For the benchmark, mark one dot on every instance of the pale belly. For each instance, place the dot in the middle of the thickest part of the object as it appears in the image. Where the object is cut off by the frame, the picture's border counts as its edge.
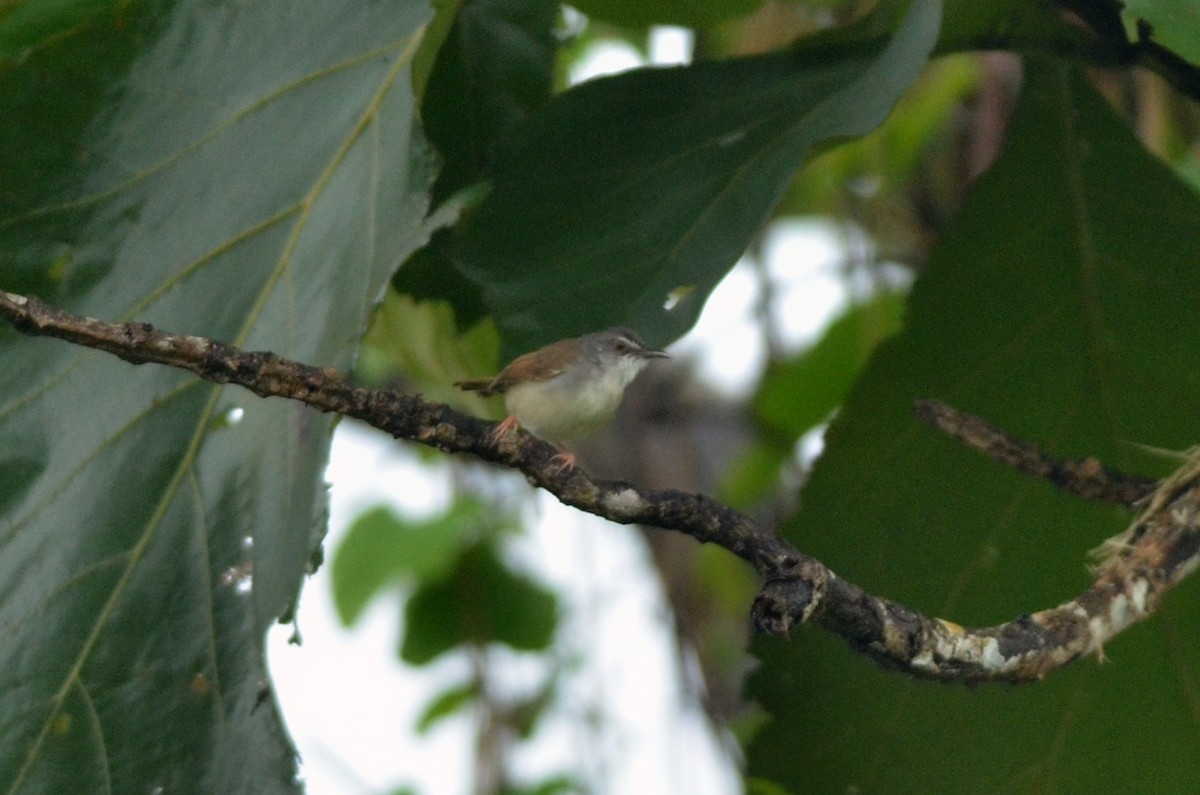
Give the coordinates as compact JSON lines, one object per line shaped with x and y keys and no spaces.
{"x":560,"y":411}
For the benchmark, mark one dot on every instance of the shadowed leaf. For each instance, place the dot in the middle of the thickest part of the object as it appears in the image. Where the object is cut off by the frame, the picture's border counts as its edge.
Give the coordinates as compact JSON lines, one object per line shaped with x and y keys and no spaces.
{"x":1060,"y":305}
{"x":627,"y":188}
{"x":248,"y":172}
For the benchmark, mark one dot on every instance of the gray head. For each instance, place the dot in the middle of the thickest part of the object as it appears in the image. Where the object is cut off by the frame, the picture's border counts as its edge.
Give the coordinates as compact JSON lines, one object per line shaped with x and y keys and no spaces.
{"x":620,"y":343}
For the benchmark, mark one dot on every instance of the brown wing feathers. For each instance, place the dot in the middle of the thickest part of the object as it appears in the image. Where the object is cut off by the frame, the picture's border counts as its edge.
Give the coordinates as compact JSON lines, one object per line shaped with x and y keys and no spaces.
{"x":539,"y":365}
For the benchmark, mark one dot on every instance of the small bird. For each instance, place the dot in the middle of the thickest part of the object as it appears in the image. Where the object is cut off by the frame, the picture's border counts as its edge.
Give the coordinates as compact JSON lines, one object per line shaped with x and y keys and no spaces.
{"x":567,"y":389}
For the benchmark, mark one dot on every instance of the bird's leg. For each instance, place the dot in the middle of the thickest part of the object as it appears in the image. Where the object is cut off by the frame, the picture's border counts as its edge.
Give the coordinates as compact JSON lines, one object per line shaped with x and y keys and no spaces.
{"x":509,"y":425}
{"x":565,"y":461}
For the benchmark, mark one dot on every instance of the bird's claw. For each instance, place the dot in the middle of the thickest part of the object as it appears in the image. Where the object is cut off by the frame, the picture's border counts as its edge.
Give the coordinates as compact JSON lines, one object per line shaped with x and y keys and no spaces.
{"x":503,"y":429}
{"x":564,"y":462}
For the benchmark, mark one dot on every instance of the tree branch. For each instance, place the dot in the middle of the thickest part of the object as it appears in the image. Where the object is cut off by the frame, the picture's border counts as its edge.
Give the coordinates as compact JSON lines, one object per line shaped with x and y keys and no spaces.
{"x":1113,"y":47}
{"x":1083,"y":477}
{"x":1101,"y":41}
{"x":1140,"y":566}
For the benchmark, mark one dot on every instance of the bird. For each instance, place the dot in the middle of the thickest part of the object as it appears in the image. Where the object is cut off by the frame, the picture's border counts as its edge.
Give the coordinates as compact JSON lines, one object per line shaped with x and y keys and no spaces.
{"x":567,"y":389}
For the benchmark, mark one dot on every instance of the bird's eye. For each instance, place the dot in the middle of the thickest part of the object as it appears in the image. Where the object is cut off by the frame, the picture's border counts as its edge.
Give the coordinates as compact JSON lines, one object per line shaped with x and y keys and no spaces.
{"x":622,"y":346}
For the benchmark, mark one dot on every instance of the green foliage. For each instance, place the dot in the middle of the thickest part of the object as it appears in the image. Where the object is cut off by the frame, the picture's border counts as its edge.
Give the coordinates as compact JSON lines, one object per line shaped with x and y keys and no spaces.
{"x":445,"y":704}
{"x":689,"y":13}
{"x":215,"y":171}
{"x":480,"y":601}
{"x":1021,"y":25}
{"x":27,"y":26}
{"x":421,"y":340}
{"x":627,"y":188}
{"x":463,"y":592}
{"x":911,"y":153}
{"x":494,"y":67}
{"x":760,"y":786}
{"x":551,"y":786}
{"x":1059,"y":305}
{"x":462,"y":596}
{"x":381,"y":547}
{"x":1175,"y":24}
{"x":796,"y":395}
{"x":253,"y":172}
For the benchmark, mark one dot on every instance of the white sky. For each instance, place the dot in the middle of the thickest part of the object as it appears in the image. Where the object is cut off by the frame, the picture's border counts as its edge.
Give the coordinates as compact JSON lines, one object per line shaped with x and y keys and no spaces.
{"x":350,"y":704}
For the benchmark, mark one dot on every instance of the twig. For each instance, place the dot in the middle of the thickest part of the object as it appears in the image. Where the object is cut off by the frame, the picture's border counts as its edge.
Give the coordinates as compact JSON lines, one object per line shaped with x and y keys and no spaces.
{"x":1083,"y":477}
{"x":1164,"y":547}
{"x":1112,"y":47}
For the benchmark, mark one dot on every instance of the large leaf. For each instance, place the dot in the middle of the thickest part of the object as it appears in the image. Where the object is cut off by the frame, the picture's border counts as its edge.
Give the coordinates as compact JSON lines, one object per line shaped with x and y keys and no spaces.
{"x":630,"y":189}
{"x":495,"y":67}
{"x":382,"y":547}
{"x":1019,"y":25}
{"x":248,"y":172}
{"x":1061,"y":304}
{"x":481,"y":601}
{"x":1173,"y":23}
{"x":25,"y":26}
{"x":798,"y":394}
{"x":643,"y":13}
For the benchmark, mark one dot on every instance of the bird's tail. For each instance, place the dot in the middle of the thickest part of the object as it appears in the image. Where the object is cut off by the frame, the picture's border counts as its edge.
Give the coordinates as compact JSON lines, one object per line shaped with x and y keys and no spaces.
{"x":480,"y":385}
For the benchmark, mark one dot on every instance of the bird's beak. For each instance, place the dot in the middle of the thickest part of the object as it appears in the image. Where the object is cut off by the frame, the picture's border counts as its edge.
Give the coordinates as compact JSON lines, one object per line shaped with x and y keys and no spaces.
{"x":655,"y":355}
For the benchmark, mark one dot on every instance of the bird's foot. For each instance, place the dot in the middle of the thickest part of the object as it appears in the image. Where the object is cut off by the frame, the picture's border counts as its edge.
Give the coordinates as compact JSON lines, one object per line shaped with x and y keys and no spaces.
{"x":564,"y":462}
{"x":504,"y":429}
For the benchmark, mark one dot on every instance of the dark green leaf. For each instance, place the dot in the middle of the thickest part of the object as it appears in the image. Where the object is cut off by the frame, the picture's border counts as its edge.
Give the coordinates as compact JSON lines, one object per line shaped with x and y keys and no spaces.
{"x":625,"y":189}
{"x":495,"y":66}
{"x":20,"y":467}
{"x":688,"y":13}
{"x":1018,"y":25}
{"x":28,"y":25}
{"x":554,"y":785}
{"x":481,"y":602}
{"x":436,"y":31}
{"x":248,"y":172}
{"x":431,"y":275}
{"x":911,"y":154}
{"x":525,"y":715}
{"x":435,"y":622}
{"x":445,"y":704}
{"x":381,"y":547}
{"x":421,"y":340}
{"x":760,"y":786}
{"x":1061,"y":305}
{"x":1175,"y":24}
{"x":799,"y":394}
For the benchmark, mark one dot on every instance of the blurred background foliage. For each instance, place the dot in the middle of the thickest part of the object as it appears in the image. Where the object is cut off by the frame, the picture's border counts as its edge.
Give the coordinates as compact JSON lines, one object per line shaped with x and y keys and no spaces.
{"x":1017,"y":236}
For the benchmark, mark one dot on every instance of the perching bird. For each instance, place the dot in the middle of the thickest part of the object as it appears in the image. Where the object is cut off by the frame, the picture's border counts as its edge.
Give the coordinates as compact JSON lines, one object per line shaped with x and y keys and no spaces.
{"x":567,"y":389}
